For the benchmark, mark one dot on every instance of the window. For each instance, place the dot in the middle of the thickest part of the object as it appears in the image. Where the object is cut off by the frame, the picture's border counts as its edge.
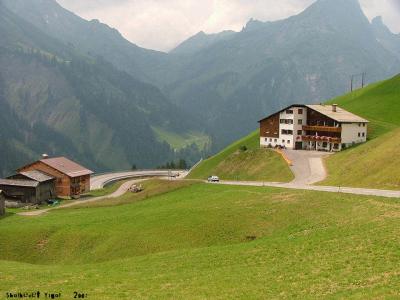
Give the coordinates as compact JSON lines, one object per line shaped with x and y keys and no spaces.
{"x":283,"y":141}
{"x":289,"y":112}
{"x":300,"y":111}
{"x":364,"y":125}
{"x":359,"y":134}
{"x":270,"y":140}
{"x":287,"y":132}
{"x":276,"y":140}
{"x":300,"y":122}
{"x":288,"y":141}
{"x":285,"y":121}
{"x":266,"y":139}
{"x":363,"y":134}
{"x":359,"y":124}
{"x":299,"y":132}
{"x":324,"y":144}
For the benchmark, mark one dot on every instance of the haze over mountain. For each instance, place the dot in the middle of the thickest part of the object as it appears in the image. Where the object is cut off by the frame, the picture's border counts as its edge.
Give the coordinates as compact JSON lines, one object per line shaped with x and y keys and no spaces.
{"x":55,"y":100}
{"x":306,"y":58}
{"x":100,"y":105}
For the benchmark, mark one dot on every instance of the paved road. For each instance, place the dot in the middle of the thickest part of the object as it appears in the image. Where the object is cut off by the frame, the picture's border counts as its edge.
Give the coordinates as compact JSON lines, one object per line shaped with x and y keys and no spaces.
{"x":330,"y":189}
{"x":99,"y":181}
{"x":308,"y":166}
{"x":121,"y":190}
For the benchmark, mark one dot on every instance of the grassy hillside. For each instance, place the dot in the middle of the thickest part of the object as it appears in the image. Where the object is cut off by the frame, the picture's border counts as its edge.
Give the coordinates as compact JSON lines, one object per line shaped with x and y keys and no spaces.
{"x":209,"y":241}
{"x":375,"y":164}
{"x":254,"y":164}
{"x":379,"y":103}
{"x":180,"y":141}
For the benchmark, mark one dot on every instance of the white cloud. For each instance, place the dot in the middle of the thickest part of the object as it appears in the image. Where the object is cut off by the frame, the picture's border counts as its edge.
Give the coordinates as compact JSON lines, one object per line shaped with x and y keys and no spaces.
{"x":162,"y":24}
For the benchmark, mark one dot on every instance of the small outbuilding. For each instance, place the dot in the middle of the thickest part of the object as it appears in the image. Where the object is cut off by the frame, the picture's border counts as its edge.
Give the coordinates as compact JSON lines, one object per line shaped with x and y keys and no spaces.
{"x":29,"y":187}
{"x":2,"y":203}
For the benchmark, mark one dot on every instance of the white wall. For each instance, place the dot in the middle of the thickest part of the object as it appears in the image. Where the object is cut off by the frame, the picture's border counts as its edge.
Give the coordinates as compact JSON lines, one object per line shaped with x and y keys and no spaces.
{"x":350,"y":133}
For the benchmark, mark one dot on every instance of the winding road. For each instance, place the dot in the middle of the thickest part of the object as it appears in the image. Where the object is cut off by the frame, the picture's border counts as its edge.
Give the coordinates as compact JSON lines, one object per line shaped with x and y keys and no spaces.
{"x":99,"y":181}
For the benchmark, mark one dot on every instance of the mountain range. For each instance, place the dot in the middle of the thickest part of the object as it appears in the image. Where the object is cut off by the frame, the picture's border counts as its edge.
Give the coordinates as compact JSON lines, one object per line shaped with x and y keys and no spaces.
{"x":111,"y":104}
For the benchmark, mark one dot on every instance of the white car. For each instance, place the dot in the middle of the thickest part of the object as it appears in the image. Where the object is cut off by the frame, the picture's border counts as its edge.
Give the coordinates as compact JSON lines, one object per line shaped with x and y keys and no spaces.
{"x":213,"y":179}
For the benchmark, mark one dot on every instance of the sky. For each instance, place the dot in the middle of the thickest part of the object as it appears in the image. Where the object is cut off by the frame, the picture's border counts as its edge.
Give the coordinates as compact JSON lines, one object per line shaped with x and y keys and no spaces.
{"x":163,"y":24}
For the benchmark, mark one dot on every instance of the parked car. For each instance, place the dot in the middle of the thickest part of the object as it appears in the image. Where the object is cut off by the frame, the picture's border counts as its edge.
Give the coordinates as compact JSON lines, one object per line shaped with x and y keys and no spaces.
{"x":213,"y":179}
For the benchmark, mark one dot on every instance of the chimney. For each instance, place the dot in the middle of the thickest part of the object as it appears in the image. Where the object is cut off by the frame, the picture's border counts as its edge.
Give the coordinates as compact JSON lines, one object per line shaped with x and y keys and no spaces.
{"x":45,"y":156}
{"x":334,"y":107}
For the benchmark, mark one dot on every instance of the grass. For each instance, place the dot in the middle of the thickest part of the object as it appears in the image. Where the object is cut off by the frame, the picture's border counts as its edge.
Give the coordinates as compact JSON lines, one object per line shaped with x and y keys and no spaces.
{"x":151,"y":188}
{"x":210,"y":241}
{"x":107,"y":190}
{"x":180,"y":141}
{"x":255,"y":164}
{"x":375,"y":164}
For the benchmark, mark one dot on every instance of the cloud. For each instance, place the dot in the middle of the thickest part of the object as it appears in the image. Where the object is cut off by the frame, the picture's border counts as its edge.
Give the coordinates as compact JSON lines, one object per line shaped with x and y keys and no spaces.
{"x":162,"y":24}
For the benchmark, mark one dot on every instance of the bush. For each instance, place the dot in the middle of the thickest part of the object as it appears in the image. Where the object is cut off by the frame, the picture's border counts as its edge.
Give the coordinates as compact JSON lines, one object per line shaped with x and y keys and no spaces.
{"x":243,"y":148}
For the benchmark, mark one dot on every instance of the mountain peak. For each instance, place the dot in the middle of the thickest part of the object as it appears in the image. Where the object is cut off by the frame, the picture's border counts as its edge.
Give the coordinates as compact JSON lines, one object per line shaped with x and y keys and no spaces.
{"x":378,"y":24}
{"x":336,"y":7}
{"x":253,"y":24}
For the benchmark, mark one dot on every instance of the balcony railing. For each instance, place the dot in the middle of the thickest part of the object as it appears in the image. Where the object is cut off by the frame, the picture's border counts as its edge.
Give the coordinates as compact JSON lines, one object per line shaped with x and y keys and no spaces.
{"x":313,"y":138}
{"x":322,"y":128}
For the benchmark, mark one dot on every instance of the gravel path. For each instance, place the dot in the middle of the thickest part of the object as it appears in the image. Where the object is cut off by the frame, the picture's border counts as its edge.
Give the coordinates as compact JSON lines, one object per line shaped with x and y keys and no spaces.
{"x":307,"y":166}
{"x":121,"y":190}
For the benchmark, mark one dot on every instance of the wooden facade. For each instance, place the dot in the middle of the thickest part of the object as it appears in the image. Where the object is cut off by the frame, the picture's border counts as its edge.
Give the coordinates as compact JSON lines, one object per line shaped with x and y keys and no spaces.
{"x":2,"y":203}
{"x":27,"y":191}
{"x":71,"y":180}
{"x":269,"y":127}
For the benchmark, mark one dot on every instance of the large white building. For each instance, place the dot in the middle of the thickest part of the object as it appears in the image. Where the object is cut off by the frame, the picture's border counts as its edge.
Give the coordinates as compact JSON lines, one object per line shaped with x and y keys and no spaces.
{"x":313,"y":127}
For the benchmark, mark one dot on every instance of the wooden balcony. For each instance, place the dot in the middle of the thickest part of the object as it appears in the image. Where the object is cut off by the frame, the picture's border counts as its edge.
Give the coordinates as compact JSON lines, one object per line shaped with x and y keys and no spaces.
{"x":313,"y":138}
{"x":322,"y":128}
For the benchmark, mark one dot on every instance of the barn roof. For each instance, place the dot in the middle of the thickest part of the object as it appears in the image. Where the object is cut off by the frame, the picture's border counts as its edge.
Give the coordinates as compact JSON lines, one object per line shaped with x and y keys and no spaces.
{"x":66,"y":166}
{"x":37,"y":176}
{"x":21,"y":183}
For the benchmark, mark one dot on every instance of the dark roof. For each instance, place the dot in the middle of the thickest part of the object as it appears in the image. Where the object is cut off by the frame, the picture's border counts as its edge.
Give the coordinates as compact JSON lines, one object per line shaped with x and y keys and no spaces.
{"x":37,"y":176}
{"x":283,"y":109}
{"x":16,"y":182}
{"x":66,"y":166}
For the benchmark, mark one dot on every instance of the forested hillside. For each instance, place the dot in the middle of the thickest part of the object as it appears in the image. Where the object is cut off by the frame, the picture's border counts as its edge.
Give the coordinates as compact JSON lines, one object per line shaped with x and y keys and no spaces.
{"x":56,"y":101}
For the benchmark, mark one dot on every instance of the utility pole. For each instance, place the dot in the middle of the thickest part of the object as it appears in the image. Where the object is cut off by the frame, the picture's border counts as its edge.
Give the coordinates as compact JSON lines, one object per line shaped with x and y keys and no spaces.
{"x":363,"y":79}
{"x":351,"y":85}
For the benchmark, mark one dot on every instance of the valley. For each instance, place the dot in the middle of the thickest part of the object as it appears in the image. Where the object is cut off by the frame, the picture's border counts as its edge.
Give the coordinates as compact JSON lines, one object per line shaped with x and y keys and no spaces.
{"x":139,"y":174}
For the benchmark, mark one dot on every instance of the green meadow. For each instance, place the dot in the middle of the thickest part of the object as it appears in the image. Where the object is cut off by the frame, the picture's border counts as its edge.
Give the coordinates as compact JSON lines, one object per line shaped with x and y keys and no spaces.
{"x":375,"y":164}
{"x":245,"y":164}
{"x":202,"y":241}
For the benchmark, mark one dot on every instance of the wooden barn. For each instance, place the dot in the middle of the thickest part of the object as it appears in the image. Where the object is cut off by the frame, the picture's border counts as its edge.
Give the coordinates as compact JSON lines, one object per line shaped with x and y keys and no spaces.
{"x":24,"y":191}
{"x":71,"y":179}
{"x":46,"y":188}
{"x":2,"y":203}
